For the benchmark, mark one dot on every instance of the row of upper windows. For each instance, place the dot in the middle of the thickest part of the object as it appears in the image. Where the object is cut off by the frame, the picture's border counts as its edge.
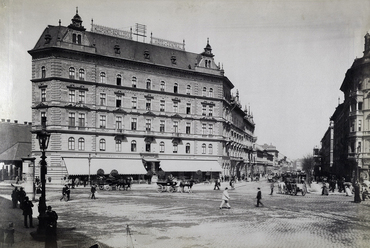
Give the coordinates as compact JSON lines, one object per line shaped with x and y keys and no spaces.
{"x":119,"y":102}
{"x":148,"y":85}
{"x":148,"y":146}
{"x":134,"y":124}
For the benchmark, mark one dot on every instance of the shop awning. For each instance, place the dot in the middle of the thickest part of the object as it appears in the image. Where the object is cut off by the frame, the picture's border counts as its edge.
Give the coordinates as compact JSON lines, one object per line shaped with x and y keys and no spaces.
{"x":189,"y":165}
{"x":80,"y":166}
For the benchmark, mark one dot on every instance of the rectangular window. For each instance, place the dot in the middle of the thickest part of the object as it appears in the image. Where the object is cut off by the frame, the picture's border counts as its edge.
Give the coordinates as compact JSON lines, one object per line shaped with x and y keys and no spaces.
{"x":176,"y":126}
{"x":175,"y":147}
{"x":204,"y":109}
{"x":133,"y":123}
{"x":188,"y":108}
{"x":43,"y":95}
{"x":118,"y":145}
{"x":103,"y":99}
{"x":118,"y":122}
{"x":175,"y":107}
{"x":81,"y":120}
{"x":359,"y":125}
{"x":187,"y":128}
{"x":162,"y":126}
{"x":81,"y":96}
{"x":118,"y":101}
{"x":71,"y":119}
{"x":119,"y":80}
{"x":147,"y":147}
{"x":72,"y":96}
{"x":210,"y":110}
{"x":204,"y":128}
{"x":210,"y":129}
{"x":134,"y":102}
{"x":148,"y":125}
{"x":103,"y":119}
{"x":161,"y":106}
{"x":148,"y":104}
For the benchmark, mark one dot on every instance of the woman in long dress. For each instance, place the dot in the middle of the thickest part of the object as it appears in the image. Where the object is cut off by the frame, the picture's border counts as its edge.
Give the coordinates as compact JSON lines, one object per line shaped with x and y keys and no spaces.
{"x":348,"y":191}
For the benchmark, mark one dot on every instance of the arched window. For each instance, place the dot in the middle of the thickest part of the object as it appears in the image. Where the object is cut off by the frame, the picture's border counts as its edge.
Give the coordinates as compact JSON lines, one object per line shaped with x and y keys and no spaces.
{"x":72,"y":73}
{"x":118,"y":145}
{"x":148,"y":84}
{"x":175,"y":88}
{"x":133,"y":81}
{"x":188,"y":88}
{"x":204,"y":93}
{"x":210,"y":149}
{"x":81,"y":74}
{"x":81,"y":144}
{"x":43,"y":72}
{"x":187,"y":148}
{"x":161,"y":147}
{"x":133,"y":146}
{"x":102,"y":77}
{"x":203,"y":148}
{"x":74,"y":38}
{"x":102,"y":145}
{"x":210,"y":92}
{"x":119,"y":79}
{"x":79,"y":39}
{"x":71,"y":143}
{"x":175,"y":147}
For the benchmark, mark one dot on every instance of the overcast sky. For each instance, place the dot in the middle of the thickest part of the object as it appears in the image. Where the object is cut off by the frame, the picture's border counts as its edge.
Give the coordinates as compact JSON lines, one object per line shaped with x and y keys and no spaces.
{"x":288,"y":59}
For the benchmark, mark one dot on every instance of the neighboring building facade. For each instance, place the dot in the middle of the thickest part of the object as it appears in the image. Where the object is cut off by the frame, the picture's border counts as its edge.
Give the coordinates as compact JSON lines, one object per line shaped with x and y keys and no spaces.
{"x":139,"y":108}
{"x":14,"y":146}
{"x":351,"y":120}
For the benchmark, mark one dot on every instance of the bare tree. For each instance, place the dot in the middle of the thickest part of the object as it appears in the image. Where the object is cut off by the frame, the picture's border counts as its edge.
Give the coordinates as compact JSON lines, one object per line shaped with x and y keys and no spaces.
{"x":308,"y":163}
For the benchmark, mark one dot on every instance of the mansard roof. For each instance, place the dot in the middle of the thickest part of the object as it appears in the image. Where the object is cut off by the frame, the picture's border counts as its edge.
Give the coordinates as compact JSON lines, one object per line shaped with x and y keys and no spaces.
{"x":121,"y":48}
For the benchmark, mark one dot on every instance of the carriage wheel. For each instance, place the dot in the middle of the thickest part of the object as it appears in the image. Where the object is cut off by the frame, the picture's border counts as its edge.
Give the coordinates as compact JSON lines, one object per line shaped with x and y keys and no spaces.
{"x":101,"y":187}
{"x":159,"y":189}
{"x":107,"y":187}
{"x":294,"y":191}
{"x":171,"y":189}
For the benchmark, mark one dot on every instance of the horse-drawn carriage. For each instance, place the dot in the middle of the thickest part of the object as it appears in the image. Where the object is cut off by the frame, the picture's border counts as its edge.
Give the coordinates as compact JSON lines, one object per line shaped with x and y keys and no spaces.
{"x":112,"y":183}
{"x":167,"y":186}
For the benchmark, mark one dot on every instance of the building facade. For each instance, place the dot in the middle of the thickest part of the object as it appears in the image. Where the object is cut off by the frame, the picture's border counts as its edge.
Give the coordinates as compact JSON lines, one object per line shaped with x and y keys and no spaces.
{"x":114,"y":103}
{"x":351,"y":123}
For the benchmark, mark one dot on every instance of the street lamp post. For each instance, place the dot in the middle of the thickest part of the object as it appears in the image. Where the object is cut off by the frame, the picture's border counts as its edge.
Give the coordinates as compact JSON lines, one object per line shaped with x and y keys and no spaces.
{"x":43,"y":138}
{"x":89,"y":168}
{"x":357,"y":163}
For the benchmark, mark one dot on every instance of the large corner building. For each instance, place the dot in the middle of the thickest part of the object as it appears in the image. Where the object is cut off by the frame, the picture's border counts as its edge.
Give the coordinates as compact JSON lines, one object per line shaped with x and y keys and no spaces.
{"x":112,"y":102}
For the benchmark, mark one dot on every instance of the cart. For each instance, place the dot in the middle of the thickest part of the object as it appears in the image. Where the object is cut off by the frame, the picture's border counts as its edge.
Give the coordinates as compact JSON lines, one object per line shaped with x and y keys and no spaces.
{"x":167,"y":187}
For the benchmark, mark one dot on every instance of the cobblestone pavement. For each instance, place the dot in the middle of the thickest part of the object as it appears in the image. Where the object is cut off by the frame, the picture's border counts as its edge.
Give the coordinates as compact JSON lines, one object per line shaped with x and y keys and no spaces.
{"x":195,"y":220}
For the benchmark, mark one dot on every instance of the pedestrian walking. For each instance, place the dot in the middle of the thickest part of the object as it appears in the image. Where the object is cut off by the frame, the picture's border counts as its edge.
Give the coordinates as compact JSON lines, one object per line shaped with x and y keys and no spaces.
{"x":15,"y":197}
{"x":21,"y":197}
{"x":259,"y":197}
{"x":225,"y":199}
{"x":357,"y":193}
{"x":27,"y":211}
{"x":217,"y":184}
{"x":272,"y":185}
{"x":93,"y":190}
{"x":65,"y":192}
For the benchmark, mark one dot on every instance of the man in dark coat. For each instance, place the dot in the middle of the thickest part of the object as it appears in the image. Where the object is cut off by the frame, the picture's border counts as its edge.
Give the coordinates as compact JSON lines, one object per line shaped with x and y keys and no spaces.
{"x":259,"y":197}
{"x":93,"y":190}
{"x":27,"y":211}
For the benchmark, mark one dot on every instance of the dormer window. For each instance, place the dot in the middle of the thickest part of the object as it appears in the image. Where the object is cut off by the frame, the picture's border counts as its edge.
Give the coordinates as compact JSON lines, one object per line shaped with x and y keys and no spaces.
{"x":117,"y":49}
{"x":173,"y":59}
{"x":76,"y":38}
{"x":146,"y":54}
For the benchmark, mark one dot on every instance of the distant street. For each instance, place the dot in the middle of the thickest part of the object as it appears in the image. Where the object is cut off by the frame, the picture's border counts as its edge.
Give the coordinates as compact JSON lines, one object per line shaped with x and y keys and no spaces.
{"x":195,"y":220}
